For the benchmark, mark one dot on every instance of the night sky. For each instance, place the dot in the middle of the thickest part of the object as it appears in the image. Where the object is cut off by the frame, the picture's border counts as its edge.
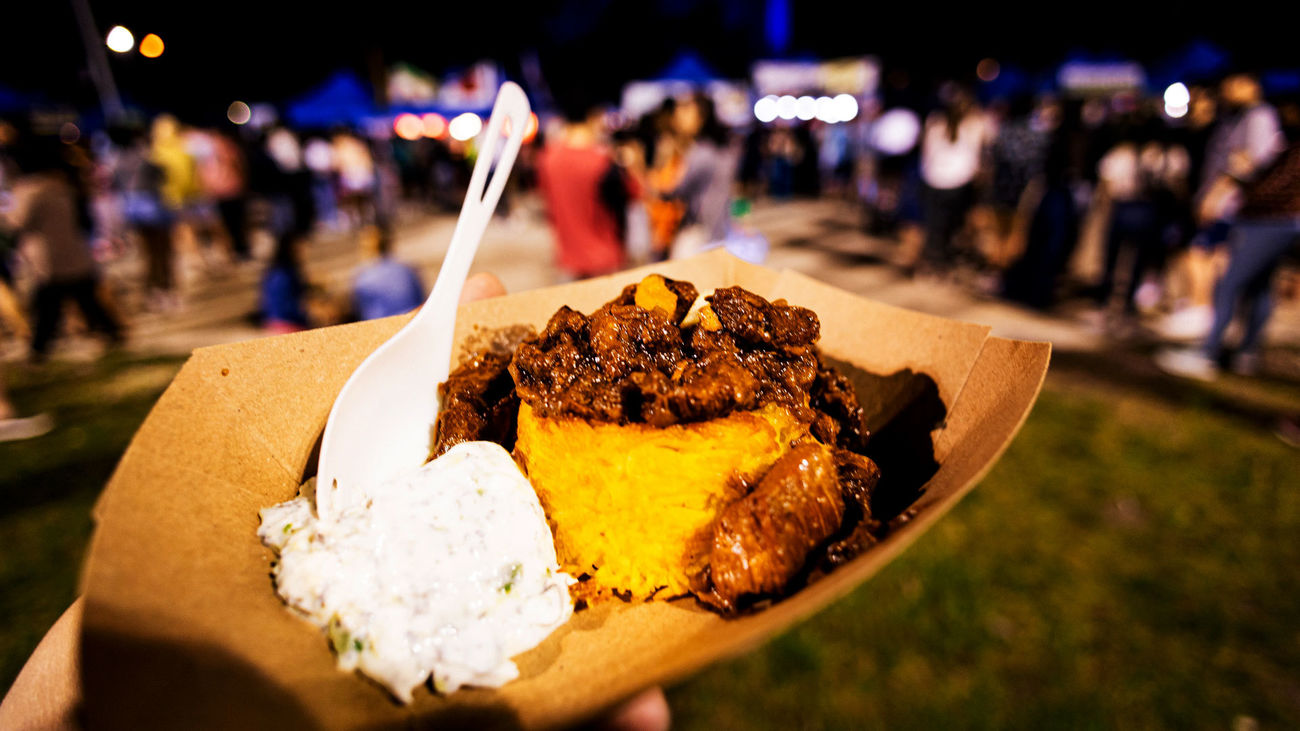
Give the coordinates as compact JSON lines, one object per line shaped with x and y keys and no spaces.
{"x":264,"y":50}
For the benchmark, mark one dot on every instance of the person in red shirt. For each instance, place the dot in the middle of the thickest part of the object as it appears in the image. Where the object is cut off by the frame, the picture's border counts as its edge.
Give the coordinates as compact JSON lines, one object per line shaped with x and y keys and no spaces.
{"x":575,"y":173}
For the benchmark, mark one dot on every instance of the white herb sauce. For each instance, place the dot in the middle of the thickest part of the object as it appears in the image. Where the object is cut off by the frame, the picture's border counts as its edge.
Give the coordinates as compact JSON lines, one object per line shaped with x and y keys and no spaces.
{"x":449,"y":570}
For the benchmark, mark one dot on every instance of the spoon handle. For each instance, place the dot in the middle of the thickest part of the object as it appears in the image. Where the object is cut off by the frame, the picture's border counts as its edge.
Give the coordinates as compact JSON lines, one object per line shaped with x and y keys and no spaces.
{"x":511,"y":107}
{"x":381,"y":422}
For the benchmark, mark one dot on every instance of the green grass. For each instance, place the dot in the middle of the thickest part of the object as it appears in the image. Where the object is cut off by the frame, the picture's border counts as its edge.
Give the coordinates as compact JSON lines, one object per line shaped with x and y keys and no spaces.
{"x":1131,"y":562}
{"x":1128,"y":564}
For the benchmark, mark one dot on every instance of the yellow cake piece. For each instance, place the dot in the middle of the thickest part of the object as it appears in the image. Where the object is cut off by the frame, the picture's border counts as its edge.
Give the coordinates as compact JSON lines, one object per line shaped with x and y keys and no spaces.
{"x":639,"y":502}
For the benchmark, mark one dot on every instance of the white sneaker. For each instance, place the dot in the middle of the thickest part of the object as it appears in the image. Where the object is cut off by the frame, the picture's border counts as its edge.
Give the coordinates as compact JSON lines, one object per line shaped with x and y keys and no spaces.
{"x":1189,"y":323}
{"x":1187,"y":364}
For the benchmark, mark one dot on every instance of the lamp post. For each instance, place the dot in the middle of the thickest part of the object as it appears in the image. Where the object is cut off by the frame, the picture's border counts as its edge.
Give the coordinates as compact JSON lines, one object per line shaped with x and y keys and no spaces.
{"x":97,"y":62}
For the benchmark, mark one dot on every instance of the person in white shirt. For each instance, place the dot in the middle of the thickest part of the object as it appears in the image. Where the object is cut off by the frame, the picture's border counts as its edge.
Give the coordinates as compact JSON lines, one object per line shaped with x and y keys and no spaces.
{"x":952,"y":153}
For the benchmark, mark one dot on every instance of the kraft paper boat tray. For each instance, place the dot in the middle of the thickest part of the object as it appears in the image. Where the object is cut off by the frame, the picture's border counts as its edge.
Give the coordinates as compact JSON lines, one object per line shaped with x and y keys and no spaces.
{"x":183,"y":629}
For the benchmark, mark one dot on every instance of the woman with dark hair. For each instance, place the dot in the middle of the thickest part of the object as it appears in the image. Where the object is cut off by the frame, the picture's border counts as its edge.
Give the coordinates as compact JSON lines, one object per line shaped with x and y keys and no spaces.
{"x":952,"y":152}
{"x":710,"y":164}
{"x":48,"y":215}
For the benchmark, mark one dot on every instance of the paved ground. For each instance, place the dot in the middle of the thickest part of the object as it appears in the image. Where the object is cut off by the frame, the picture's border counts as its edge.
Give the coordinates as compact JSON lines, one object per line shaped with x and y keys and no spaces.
{"x":818,"y":238}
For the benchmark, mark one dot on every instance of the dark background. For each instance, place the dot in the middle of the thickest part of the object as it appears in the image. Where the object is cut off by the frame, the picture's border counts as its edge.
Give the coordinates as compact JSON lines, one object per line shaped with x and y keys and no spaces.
{"x":258,"y":50}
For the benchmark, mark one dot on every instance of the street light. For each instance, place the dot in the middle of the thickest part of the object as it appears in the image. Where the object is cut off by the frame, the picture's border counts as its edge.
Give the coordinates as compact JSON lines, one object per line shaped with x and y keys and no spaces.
{"x":465,"y":126}
{"x":120,"y":39}
{"x":151,"y":46}
{"x":238,"y":113}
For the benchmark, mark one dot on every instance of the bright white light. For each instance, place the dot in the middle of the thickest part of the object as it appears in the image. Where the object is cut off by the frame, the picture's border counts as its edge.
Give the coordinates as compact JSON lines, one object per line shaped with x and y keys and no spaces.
{"x":826,"y":110}
{"x":805,"y":108}
{"x":785,"y":107}
{"x":239,"y":113}
{"x":1175,"y":111}
{"x":765,"y":109}
{"x":846,"y":107}
{"x":120,"y":39}
{"x":465,"y":126}
{"x":1177,"y":95}
{"x":895,"y":132}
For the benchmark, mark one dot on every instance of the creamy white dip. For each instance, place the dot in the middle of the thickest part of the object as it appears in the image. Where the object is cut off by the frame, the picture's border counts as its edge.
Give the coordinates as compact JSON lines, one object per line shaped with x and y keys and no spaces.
{"x":446,"y":571}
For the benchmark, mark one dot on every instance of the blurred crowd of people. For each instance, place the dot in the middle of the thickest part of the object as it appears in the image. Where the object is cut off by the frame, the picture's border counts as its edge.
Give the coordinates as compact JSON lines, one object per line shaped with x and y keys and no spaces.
{"x":188,"y":203}
{"x":654,"y":187}
{"x":1171,"y":222}
{"x":1167,"y":224}
{"x":1170,"y":225}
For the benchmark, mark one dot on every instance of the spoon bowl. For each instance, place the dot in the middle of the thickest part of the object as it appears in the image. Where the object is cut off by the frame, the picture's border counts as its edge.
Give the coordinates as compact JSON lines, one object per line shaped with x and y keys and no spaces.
{"x":382,"y":421}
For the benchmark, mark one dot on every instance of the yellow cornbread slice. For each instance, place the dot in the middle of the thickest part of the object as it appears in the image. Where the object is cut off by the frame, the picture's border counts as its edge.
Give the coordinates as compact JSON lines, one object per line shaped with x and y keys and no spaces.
{"x":639,"y":502}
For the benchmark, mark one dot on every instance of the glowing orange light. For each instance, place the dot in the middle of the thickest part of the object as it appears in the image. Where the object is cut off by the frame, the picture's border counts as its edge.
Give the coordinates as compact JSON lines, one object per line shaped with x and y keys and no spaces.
{"x":408,"y":126}
{"x":435,"y":125}
{"x":151,"y":46}
{"x":988,"y":69}
{"x":530,"y":130}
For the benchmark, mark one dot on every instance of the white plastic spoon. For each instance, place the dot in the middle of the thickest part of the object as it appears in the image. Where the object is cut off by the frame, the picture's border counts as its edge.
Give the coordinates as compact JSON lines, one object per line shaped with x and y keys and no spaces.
{"x":382,"y":421}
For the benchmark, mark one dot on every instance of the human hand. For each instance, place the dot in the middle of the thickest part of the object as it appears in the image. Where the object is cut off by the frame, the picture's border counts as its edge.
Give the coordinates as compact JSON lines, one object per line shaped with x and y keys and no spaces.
{"x":47,"y":692}
{"x":647,"y":711}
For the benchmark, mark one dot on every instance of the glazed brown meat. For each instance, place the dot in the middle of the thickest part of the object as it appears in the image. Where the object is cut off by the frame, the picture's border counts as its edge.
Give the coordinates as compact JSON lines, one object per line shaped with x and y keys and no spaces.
{"x":841,"y":420}
{"x":629,"y":364}
{"x":478,"y":403}
{"x":858,"y":477}
{"x":626,"y":363}
{"x":762,"y":541}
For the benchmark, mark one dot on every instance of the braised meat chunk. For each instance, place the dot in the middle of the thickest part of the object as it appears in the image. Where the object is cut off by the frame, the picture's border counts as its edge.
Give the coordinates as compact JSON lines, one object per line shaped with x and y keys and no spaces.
{"x":762,"y":540}
{"x":634,"y":361}
{"x":841,"y":420}
{"x":600,"y":367}
{"x":479,"y":403}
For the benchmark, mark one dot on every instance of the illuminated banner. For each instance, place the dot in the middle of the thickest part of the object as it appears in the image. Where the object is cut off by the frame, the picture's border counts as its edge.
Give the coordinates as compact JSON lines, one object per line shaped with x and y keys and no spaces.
{"x":1083,"y":77}
{"x":858,"y":76}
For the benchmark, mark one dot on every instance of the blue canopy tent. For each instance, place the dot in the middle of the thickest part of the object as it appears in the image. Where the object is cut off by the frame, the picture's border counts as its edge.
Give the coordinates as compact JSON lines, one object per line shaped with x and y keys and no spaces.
{"x":1014,"y":81}
{"x":342,"y":99}
{"x":11,"y":100}
{"x":1197,"y":62}
{"x":688,"y":67}
{"x":1281,"y":82}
